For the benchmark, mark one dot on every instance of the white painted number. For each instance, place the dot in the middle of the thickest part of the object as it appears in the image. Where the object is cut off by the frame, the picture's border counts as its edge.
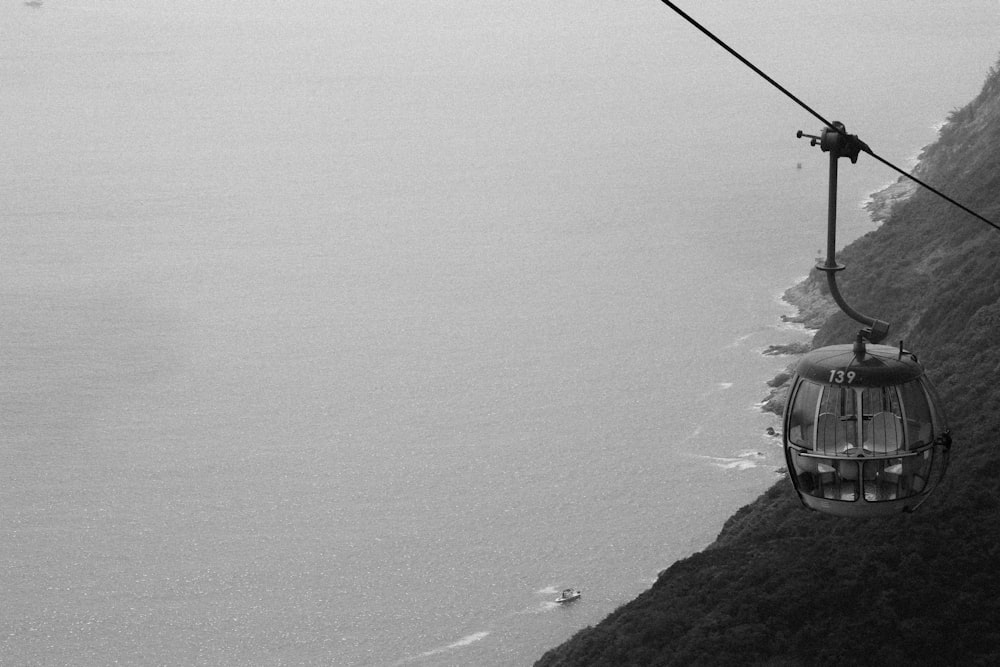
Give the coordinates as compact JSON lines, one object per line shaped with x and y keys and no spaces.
{"x":838,"y":377}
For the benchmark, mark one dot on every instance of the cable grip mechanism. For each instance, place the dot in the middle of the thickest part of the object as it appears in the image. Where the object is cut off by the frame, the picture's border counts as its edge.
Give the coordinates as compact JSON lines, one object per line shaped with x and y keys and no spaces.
{"x":836,"y":141}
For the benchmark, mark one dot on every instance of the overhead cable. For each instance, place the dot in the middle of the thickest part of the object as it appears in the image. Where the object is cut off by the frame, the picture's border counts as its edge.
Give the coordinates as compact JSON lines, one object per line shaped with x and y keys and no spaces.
{"x":834,"y":127}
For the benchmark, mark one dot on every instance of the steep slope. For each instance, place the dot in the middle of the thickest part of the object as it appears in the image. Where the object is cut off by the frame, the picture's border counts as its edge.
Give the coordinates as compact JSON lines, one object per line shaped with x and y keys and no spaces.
{"x":785,"y":586}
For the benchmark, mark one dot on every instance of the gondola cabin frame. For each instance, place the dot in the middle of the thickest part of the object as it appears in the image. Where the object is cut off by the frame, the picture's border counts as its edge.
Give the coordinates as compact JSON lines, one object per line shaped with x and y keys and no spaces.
{"x":863,"y":432}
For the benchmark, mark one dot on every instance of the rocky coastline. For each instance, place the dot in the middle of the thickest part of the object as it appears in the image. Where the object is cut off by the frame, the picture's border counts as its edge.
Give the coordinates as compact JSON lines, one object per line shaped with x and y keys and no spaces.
{"x":812,"y":302}
{"x":881,"y":203}
{"x":813,"y":306}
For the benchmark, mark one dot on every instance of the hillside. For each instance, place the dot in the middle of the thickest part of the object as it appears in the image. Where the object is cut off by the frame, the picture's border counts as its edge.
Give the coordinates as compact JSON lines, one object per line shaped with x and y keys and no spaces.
{"x":785,"y":586}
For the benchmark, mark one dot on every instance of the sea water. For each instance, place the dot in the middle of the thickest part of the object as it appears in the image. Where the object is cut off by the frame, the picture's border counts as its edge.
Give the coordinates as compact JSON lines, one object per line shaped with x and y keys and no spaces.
{"x":350,"y":333}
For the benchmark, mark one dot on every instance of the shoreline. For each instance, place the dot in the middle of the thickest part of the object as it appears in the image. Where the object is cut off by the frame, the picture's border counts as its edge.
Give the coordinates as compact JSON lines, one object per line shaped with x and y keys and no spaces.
{"x":812,"y":307}
{"x":881,"y":203}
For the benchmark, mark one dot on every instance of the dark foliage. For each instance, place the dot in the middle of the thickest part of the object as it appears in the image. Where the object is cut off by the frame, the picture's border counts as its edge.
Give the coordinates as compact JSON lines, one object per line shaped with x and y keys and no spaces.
{"x":783,"y":586}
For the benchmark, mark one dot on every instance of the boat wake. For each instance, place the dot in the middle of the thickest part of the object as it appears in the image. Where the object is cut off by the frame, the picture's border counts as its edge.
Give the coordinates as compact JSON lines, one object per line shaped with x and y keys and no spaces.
{"x":542,"y":606}
{"x":461,"y":643}
{"x":465,"y":641}
{"x":545,"y":605}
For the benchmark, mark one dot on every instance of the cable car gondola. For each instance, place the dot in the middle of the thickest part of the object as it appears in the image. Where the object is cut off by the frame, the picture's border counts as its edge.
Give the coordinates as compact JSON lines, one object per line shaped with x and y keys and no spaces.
{"x":864,"y":434}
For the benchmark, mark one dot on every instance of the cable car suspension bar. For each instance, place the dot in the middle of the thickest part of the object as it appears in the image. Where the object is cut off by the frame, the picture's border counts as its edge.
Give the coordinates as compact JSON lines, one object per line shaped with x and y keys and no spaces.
{"x":838,"y":143}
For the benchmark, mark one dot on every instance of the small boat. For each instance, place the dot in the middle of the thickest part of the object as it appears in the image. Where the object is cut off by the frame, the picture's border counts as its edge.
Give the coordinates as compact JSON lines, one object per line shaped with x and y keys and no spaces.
{"x":568,"y":595}
{"x":33,"y":3}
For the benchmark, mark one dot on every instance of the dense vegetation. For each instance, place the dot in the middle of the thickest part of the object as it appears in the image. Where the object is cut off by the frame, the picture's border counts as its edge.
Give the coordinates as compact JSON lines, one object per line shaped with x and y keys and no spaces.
{"x":785,"y":586}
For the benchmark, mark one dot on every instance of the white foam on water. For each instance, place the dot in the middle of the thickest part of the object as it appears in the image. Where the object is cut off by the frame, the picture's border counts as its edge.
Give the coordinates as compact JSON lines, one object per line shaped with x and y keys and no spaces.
{"x":719,"y":387}
{"x":461,"y":643}
{"x":469,"y":639}
{"x":743,"y":462}
{"x":541,"y":608}
{"x":740,"y":340}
